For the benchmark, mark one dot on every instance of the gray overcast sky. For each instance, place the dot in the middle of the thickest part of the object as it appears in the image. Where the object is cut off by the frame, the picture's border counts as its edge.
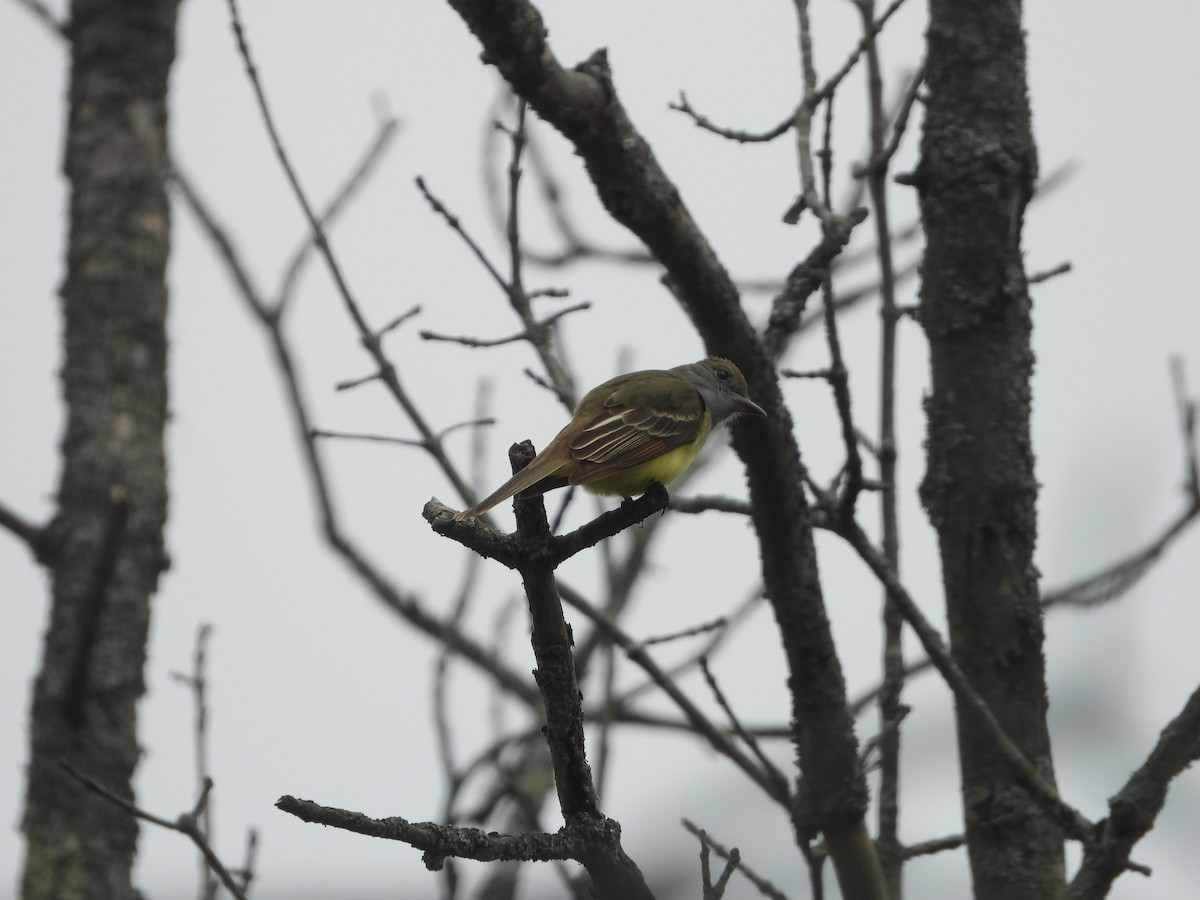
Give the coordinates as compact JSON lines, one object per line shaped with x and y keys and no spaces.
{"x":316,"y":691}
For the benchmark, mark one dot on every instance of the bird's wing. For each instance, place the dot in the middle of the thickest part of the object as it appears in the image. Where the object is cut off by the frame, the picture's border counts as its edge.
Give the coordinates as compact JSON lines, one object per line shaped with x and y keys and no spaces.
{"x":634,"y":426}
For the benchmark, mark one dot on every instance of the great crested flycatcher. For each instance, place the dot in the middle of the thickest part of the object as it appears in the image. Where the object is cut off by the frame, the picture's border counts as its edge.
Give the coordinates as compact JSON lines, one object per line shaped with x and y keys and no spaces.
{"x":633,"y":430}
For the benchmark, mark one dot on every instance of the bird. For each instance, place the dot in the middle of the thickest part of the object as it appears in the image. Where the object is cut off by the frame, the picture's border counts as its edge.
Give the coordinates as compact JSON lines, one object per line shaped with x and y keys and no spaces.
{"x":632,"y":431}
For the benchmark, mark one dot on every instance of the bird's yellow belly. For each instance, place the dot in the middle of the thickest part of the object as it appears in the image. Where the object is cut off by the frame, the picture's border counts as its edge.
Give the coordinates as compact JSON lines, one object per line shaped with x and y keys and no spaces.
{"x":634,"y":481}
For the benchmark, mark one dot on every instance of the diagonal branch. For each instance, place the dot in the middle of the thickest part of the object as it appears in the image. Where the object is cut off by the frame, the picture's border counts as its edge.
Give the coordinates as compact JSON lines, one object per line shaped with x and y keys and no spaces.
{"x":406,"y":605}
{"x":441,"y":841}
{"x":35,"y":536}
{"x":186,"y":824}
{"x":1134,"y":809}
{"x":1025,"y":773}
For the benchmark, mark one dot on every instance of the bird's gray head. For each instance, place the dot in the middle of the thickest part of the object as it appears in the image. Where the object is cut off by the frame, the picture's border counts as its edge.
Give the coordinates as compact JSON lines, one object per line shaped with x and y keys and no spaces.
{"x":722,"y":386}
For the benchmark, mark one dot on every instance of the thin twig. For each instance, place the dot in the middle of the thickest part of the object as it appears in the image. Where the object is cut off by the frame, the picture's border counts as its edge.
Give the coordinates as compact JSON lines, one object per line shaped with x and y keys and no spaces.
{"x":369,"y":338}
{"x":523,"y":335}
{"x":735,"y":723}
{"x":937,"y":845}
{"x":825,"y":92}
{"x":1118,"y":578}
{"x":1135,"y":807}
{"x":42,"y":11}
{"x":358,"y":177}
{"x":703,"y":628}
{"x":198,"y":684}
{"x":1046,"y":274}
{"x":866,"y":41}
{"x":406,"y":605}
{"x":458,"y":610}
{"x":764,"y":886}
{"x":457,"y":227}
{"x":185,"y":825}
{"x":553,"y":195}
{"x":705,"y":502}
{"x":719,"y":740}
{"x":441,"y":841}
{"x":891,"y":709}
{"x":1073,"y":823}
{"x":733,"y":620}
{"x":742,"y":137}
{"x":34,"y":536}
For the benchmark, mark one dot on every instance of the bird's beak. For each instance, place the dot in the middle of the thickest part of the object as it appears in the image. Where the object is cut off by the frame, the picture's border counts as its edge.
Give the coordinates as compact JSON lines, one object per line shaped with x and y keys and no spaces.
{"x":749,"y":407}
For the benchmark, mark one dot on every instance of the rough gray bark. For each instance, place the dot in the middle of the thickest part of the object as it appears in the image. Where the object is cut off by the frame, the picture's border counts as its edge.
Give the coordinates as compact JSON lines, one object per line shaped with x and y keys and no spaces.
{"x":978,"y":164}
{"x":105,"y":546}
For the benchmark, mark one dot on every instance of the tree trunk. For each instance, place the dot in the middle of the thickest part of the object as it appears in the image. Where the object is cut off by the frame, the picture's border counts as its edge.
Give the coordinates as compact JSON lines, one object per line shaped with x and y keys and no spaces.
{"x":978,"y":164}
{"x":106,"y":546}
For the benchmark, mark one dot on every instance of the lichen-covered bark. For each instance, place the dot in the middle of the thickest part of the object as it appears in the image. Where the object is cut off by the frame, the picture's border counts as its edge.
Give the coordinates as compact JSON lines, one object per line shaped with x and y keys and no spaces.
{"x":106,"y":541}
{"x":978,"y":164}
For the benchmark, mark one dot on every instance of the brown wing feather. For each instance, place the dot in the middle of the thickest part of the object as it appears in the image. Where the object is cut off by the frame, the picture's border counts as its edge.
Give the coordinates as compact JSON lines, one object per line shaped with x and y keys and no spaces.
{"x":633,"y":428}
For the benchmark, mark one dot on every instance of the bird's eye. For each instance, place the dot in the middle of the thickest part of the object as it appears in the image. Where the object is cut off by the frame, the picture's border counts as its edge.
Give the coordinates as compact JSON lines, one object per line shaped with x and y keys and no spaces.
{"x":722,"y":374}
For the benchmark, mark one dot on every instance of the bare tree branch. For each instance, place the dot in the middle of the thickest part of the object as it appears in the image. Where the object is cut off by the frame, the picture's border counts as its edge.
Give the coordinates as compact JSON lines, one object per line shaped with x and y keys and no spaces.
{"x":1134,"y":808}
{"x":186,"y":824}
{"x":763,"y":885}
{"x":1022,"y":772}
{"x":43,"y":12}
{"x":35,"y":536}
{"x":405,"y":604}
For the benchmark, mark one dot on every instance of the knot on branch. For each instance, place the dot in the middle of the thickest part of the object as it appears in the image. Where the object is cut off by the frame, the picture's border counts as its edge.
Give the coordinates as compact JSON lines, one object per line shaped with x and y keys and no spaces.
{"x":582,"y":90}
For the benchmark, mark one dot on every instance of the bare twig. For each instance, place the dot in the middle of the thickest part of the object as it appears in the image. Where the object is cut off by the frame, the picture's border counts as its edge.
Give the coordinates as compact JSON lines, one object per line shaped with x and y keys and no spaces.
{"x":186,"y":824}
{"x":1118,"y":578}
{"x":816,"y":97}
{"x":33,"y":535}
{"x":703,"y":503}
{"x":891,"y":710}
{"x":198,"y":684}
{"x":719,"y":740}
{"x":937,"y":845}
{"x":457,"y":227}
{"x":1073,"y":823}
{"x":735,"y":723}
{"x":523,"y":335}
{"x":370,"y":339}
{"x":881,"y":155}
{"x":246,"y":872}
{"x":764,"y":886}
{"x":742,"y":137}
{"x":42,"y":11}
{"x":458,"y":611}
{"x":405,"y":442}
{"x":865,"y":42}
{"x":703,"y":628}
{"x":839,"y":381}
{"x":1046,"y":274}
{"x":787,"y":309}
{"x":406,"y":605}
{"x":553,"y":196}
{"x":441,"y":841}
{"x":538,"y":333}
{"x":1134,"y":808}
{"x":361,"y":173}
{"x":399,"y":320}
{"x":733,"y":620}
